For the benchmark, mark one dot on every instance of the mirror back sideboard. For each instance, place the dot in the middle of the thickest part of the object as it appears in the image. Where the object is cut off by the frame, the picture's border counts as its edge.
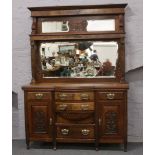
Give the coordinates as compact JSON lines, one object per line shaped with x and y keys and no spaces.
{"x":78,"y":91}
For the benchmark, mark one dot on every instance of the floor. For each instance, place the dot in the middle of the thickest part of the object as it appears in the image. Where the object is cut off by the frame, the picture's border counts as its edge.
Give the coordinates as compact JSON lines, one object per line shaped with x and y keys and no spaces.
{"x":19,"y":148}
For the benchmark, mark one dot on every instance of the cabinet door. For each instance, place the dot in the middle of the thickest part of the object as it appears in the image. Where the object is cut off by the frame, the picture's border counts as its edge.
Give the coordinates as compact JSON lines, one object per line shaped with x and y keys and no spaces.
{"x":111,"y":121}
{"x":40,"y":120}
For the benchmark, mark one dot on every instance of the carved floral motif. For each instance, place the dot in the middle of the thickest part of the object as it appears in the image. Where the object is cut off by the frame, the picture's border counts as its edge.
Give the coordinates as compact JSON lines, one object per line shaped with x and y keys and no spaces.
{"x":39,"y":121}
{"x":77,"y":25}
{"x":111,"y":126}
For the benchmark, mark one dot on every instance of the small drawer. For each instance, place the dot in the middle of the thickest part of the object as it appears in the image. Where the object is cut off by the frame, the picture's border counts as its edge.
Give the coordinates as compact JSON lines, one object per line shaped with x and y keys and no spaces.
{"x":110,"y":95}
{"x":78,"y":96}
{"x":61,"y":106}
{"x":78,"y":131}
{"x":38,"y":95}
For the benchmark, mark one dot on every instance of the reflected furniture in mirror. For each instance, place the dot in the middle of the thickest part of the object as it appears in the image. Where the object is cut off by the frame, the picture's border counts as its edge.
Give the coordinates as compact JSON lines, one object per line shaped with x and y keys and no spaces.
{"x":79,"y":59}
{"x":78,"y":91}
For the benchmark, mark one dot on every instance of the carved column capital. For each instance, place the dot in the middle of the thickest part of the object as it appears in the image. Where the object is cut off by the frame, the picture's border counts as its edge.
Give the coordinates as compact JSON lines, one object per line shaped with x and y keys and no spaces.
{"x":34,"y":26}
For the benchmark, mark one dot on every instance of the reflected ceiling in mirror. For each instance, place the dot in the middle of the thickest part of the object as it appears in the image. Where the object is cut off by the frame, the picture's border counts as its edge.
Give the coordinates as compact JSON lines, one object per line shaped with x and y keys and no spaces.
{"x":55,"y":26}
{"x":79,"y":59}
{"x":101,"y":25}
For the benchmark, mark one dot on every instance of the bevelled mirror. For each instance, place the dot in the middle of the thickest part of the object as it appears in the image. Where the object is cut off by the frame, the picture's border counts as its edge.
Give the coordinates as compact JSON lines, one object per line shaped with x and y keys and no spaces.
{"x":54,"y":26}
{"x":101,"y":25}
{"x":91,"y":25}
{"x":79,"y":59}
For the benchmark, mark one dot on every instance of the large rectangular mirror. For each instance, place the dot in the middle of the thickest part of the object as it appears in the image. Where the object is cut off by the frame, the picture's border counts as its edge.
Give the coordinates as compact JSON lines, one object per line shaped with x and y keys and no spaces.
{"x":79,"y":59}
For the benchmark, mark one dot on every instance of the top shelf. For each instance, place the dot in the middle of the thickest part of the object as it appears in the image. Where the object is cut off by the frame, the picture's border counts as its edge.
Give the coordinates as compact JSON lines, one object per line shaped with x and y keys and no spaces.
{"x":77,"y":7}
{"x":55,"y":11}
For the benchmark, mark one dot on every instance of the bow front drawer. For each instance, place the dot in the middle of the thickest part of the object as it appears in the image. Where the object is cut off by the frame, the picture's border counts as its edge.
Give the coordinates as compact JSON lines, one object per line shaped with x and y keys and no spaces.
{"x":110,"y":95}
{"x":78,"y":96}
{"x":38,"y":95}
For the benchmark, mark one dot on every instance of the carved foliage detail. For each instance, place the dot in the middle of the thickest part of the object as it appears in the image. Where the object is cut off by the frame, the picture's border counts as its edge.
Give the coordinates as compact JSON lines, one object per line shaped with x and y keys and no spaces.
{"x":39,"y":121}
{"x":121,"y":23}
{"x":120,"y":67}
{"x":34,"y":26}
{"x":77,"y":25}
{"x":111,"y":124}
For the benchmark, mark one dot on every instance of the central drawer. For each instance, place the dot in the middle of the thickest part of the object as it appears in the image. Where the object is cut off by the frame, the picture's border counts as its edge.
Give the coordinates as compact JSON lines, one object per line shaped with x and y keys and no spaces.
{"x":75,"y":131}
{"x":85,"y":106}
{"x":75,"y":118}
{"x":74,"y":96}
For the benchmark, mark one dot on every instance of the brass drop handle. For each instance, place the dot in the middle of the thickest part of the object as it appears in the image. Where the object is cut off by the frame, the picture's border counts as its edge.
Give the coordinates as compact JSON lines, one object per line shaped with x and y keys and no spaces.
{"x":85,"y":132}
{"x":84,"y":106}
{"x":64,"y":131}
{"x":50,"y":121}
{"x":39,"y":95}
{"x":84,"y":96}
{"x":110,"y":96}
{"x":63,"y":107}
{"x":62,"y":96}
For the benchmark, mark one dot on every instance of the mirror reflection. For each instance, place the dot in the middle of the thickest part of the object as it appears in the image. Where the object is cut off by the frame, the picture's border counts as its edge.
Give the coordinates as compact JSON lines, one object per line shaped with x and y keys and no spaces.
{"x":55,"y":26}
{"x":79,"y":59}
{"x":101,"y":25}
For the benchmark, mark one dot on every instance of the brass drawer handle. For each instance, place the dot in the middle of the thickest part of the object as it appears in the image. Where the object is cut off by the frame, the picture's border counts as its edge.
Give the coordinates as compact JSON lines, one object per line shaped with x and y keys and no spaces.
{"x":84,"y":96}
{"x":63,"y":107}
{"x":110,"y":96}
{"x":64,"y":131}
{"x":85,"y":132}
{"x":62,"y":96}
{"x":39,"y":95}
{"x":84,"y":106}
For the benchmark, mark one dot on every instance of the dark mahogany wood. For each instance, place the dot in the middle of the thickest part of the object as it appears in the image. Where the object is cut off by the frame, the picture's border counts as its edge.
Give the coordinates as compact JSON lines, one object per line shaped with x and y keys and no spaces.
{"x":76,"y":110}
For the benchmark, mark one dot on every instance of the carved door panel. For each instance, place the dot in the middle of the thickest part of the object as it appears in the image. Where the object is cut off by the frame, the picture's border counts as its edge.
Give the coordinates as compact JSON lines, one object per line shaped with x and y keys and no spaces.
{"x":39,"y":115}
{"x":111,"y":120}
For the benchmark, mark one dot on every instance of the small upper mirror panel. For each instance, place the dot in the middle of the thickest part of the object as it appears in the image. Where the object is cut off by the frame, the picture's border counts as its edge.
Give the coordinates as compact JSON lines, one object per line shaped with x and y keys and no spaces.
{"x":55,"y":26}
{"x":101,"y":25}
{"x":79,"y":59}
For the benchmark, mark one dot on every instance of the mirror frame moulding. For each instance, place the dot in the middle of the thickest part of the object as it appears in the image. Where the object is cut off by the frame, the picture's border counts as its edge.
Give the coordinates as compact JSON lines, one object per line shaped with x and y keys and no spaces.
{"x":37,"y":75}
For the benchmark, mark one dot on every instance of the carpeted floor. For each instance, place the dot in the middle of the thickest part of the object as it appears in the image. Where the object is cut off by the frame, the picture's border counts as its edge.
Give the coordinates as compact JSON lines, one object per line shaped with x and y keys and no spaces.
{"x":19,"y":148}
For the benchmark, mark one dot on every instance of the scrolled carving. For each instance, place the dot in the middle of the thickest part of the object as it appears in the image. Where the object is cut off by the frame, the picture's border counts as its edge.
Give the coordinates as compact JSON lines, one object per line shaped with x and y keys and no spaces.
{"x":121,"y":23}
{"x":34,"y":26}
{"x":120,"y":64}
{"x":111,"y":126}
{"x":32,"y":44}
{"x":39,"y":121}
{"x":77,"y":25}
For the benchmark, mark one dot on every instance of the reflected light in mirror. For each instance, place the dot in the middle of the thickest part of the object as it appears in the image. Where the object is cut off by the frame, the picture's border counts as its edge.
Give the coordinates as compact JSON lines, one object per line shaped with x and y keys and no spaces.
{"x":101,"y":25}
{"x":54,"y":26}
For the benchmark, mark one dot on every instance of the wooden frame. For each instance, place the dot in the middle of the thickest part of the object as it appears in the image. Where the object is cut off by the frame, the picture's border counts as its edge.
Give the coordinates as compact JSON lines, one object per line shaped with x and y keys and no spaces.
{"x":73,"y":15}
{"x":106,"y":98}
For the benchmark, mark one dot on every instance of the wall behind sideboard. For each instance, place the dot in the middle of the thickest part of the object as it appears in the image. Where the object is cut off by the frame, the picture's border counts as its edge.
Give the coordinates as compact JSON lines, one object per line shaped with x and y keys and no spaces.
{"x":21,"y":66}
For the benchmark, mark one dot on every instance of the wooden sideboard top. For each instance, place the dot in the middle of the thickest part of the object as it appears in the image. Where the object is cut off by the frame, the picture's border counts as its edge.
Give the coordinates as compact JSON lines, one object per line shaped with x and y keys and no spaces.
{"x":53,"y":86}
